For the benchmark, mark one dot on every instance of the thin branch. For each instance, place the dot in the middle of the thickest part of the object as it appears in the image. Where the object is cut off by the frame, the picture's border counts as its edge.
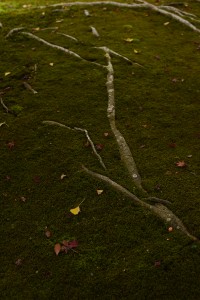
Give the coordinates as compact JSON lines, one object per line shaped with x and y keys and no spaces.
{"x":13,"y":31}
{"x":6,"y":108}
{"x":86,"y":134}
{"x":158,"y":209}
{"x":108,"y":50}
{"x":68,"y":36}
{"x":28,"y":87}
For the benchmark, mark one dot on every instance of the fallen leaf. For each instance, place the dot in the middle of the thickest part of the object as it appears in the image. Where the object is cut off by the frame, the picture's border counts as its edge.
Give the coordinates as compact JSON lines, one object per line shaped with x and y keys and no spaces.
{"x":181,"y":164}
{"x":172,"y":145}
{"x":170,"y":229}
{"x":128,"y":40}
{"x":70,"y":244}
{"x":62,"y":176}
{"x":157,"y":263}
{"x":189,"y":156}
{"x":23,"y":199}
{"x":18,"y":262}
{"x":11,"y":145}
{"x":36,"y":29}
{"x":106,"y":134}
{"x":7,"y":73}
{"x":75,"y":211}
{"x":136,"y":51}
{"x":48,"y":233}
{"x":36,"y":179}
{"x":59,"y":21}
{"x":99,"y":192}
{"x":57,"y":248}
{"x":99,"y":147}
{"x":165,"y":24}
{"x":51,"y":64}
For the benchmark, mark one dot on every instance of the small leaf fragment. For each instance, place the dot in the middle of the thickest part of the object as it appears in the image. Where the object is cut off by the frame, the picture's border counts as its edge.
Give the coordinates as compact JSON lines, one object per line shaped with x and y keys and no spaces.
{"x":99,"y":147}
{"x":57,"y":248}
{"x":51,"y":64}
{"x":48,"y":233}
{"x":128,"y":40}
{"x":181,"y":164}
{"x":62,"y":176}
{"x":166,"y":23}
{"x":7,"y":73}
{"x":75,"y":211}
{"x":99,"y":192}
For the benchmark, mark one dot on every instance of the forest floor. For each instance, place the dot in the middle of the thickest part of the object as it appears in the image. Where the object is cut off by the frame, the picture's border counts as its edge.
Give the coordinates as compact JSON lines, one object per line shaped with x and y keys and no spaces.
{"x":124,"y":251}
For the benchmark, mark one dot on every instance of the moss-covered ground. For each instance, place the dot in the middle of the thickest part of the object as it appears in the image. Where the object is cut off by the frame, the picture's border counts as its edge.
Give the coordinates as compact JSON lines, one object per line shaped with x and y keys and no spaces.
{"x":124,"y":251}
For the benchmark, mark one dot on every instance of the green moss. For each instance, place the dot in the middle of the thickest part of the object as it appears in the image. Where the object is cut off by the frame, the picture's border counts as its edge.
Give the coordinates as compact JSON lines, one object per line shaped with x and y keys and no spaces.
{"x":118,"y":242}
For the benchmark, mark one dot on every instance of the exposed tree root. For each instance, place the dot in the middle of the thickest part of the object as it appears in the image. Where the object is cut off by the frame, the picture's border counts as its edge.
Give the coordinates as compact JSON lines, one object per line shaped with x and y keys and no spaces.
{"x":108,"y":50}
{"x":158,"y":209}
{"x":161,"y":10}
{"x":124,"y":149}
{"x":81,"y":130}
{"x":157,"y":205}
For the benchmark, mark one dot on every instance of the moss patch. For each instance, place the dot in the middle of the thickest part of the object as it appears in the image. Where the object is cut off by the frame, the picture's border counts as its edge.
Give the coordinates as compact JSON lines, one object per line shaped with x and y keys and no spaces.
{"x":124,"y":251}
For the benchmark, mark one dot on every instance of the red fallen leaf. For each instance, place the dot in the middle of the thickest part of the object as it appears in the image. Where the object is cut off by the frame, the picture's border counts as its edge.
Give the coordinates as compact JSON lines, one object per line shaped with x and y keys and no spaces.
{"x":181,"y":164}
{"x":57,"y":248}
{"x":11,"y":145}
{"x":70,"y":244}
{"x":99,"y":147}
{"x":36,"y":179}
{"x":73,"y":244}
{"x":157,"y":263}
{"x":172,"y":145}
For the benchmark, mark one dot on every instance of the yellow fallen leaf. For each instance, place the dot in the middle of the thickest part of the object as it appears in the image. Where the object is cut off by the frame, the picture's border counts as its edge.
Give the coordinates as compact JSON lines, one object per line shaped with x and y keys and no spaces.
{"x":99,"y":192}
{"x":136,"y":51}
{"x":7,"y":73}
{"x":129,"y":40}
{"x":165,"y":24}
{"x":51,"y":64}
{"x":75,"y":211}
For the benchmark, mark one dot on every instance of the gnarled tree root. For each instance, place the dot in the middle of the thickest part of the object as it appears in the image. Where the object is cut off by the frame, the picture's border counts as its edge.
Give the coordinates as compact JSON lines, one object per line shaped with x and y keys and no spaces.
{"x":158,"y":209}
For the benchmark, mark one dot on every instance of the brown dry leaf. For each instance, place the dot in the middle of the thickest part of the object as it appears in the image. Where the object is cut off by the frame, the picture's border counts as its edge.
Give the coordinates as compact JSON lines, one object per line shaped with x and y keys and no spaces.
{"x":57,"y":248}
{"x":75,"y":211}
